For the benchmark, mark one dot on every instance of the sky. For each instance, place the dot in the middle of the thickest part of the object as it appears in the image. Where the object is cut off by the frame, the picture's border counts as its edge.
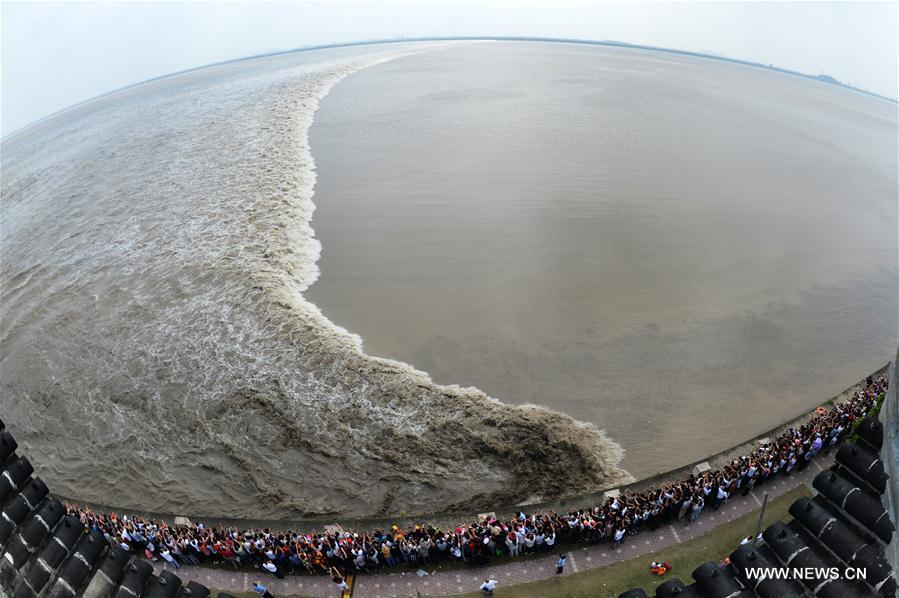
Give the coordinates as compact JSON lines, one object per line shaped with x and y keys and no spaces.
{"x":55,"y":55}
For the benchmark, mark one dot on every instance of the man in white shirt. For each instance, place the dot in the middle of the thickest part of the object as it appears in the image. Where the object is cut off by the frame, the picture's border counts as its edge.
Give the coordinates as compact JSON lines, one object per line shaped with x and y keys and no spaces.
{"x":721,"y":497}
{"x":170,"y":559}
{"x":488,"y":586}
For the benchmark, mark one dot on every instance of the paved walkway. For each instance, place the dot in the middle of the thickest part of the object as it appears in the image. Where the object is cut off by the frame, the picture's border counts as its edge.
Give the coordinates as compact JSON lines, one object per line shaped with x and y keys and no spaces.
{"x":402,"y":583}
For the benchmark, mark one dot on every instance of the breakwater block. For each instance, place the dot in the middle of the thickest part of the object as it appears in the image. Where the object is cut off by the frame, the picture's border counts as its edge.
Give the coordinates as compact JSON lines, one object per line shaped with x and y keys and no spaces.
{"x":701,"y":468}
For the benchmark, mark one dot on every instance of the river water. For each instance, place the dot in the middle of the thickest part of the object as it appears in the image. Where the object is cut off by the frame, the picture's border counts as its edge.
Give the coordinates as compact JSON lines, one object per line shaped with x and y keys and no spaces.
{"x":678,"y":251}
{"x":685,"y":252}
{"x":158,"y":352}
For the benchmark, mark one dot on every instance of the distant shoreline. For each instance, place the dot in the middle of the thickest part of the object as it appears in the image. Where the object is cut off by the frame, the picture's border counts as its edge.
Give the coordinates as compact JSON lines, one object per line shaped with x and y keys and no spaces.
{"x":826,"y":79}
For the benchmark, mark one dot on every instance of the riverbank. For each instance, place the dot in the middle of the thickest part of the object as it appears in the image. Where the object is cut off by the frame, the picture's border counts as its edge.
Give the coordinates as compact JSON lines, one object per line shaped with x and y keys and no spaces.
{"x":708,"y":538}
{"x":608,"y":581}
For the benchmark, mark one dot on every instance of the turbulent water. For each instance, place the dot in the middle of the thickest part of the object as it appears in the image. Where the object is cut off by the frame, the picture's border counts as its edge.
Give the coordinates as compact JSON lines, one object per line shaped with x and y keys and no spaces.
{"x":686,"y":252}
{"x":157,"y":350}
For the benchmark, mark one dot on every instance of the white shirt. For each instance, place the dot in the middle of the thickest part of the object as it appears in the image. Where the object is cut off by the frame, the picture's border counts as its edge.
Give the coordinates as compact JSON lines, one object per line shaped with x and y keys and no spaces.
{"x":490,"y":585}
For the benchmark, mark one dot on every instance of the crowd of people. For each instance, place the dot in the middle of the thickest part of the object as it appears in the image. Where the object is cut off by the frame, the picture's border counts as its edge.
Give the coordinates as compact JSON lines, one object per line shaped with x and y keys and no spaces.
{"x":339,"y":552}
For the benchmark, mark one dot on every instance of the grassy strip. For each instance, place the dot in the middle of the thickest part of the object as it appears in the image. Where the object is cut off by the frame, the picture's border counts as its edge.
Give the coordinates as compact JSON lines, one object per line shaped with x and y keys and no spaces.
{"x":613,"y":579}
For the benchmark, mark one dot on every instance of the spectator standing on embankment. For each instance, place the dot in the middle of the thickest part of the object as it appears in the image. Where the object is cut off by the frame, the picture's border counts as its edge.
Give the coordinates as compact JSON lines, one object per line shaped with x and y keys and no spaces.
{"x":560,"y":565}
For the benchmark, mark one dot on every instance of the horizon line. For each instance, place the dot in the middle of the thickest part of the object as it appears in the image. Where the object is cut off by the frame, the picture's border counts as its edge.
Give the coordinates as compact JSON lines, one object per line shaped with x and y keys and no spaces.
{"x":823,"y":78}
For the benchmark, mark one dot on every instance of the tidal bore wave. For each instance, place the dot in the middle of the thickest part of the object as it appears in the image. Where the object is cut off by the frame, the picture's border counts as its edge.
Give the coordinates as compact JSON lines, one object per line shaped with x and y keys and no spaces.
{"x":157,"y":349}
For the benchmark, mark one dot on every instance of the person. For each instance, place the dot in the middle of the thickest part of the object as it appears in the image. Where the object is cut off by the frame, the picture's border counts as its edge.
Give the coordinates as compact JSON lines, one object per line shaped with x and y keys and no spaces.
{"x":697,"y":508}
{"x":550,"y":540}
{"x":817,"y":444}
{"x":456,"y":550}
{"x":167,"y":555}
{"x":560,"y":566}
{"x":488,"y":586}
{"x":338,"y":579}
{"x":512,"y":544}
{"x":721,"y":497}
{"x":272,"y":568}
{"x":262,"y":590}
{"x":529,"y":543}
{"x":685,"y":507}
